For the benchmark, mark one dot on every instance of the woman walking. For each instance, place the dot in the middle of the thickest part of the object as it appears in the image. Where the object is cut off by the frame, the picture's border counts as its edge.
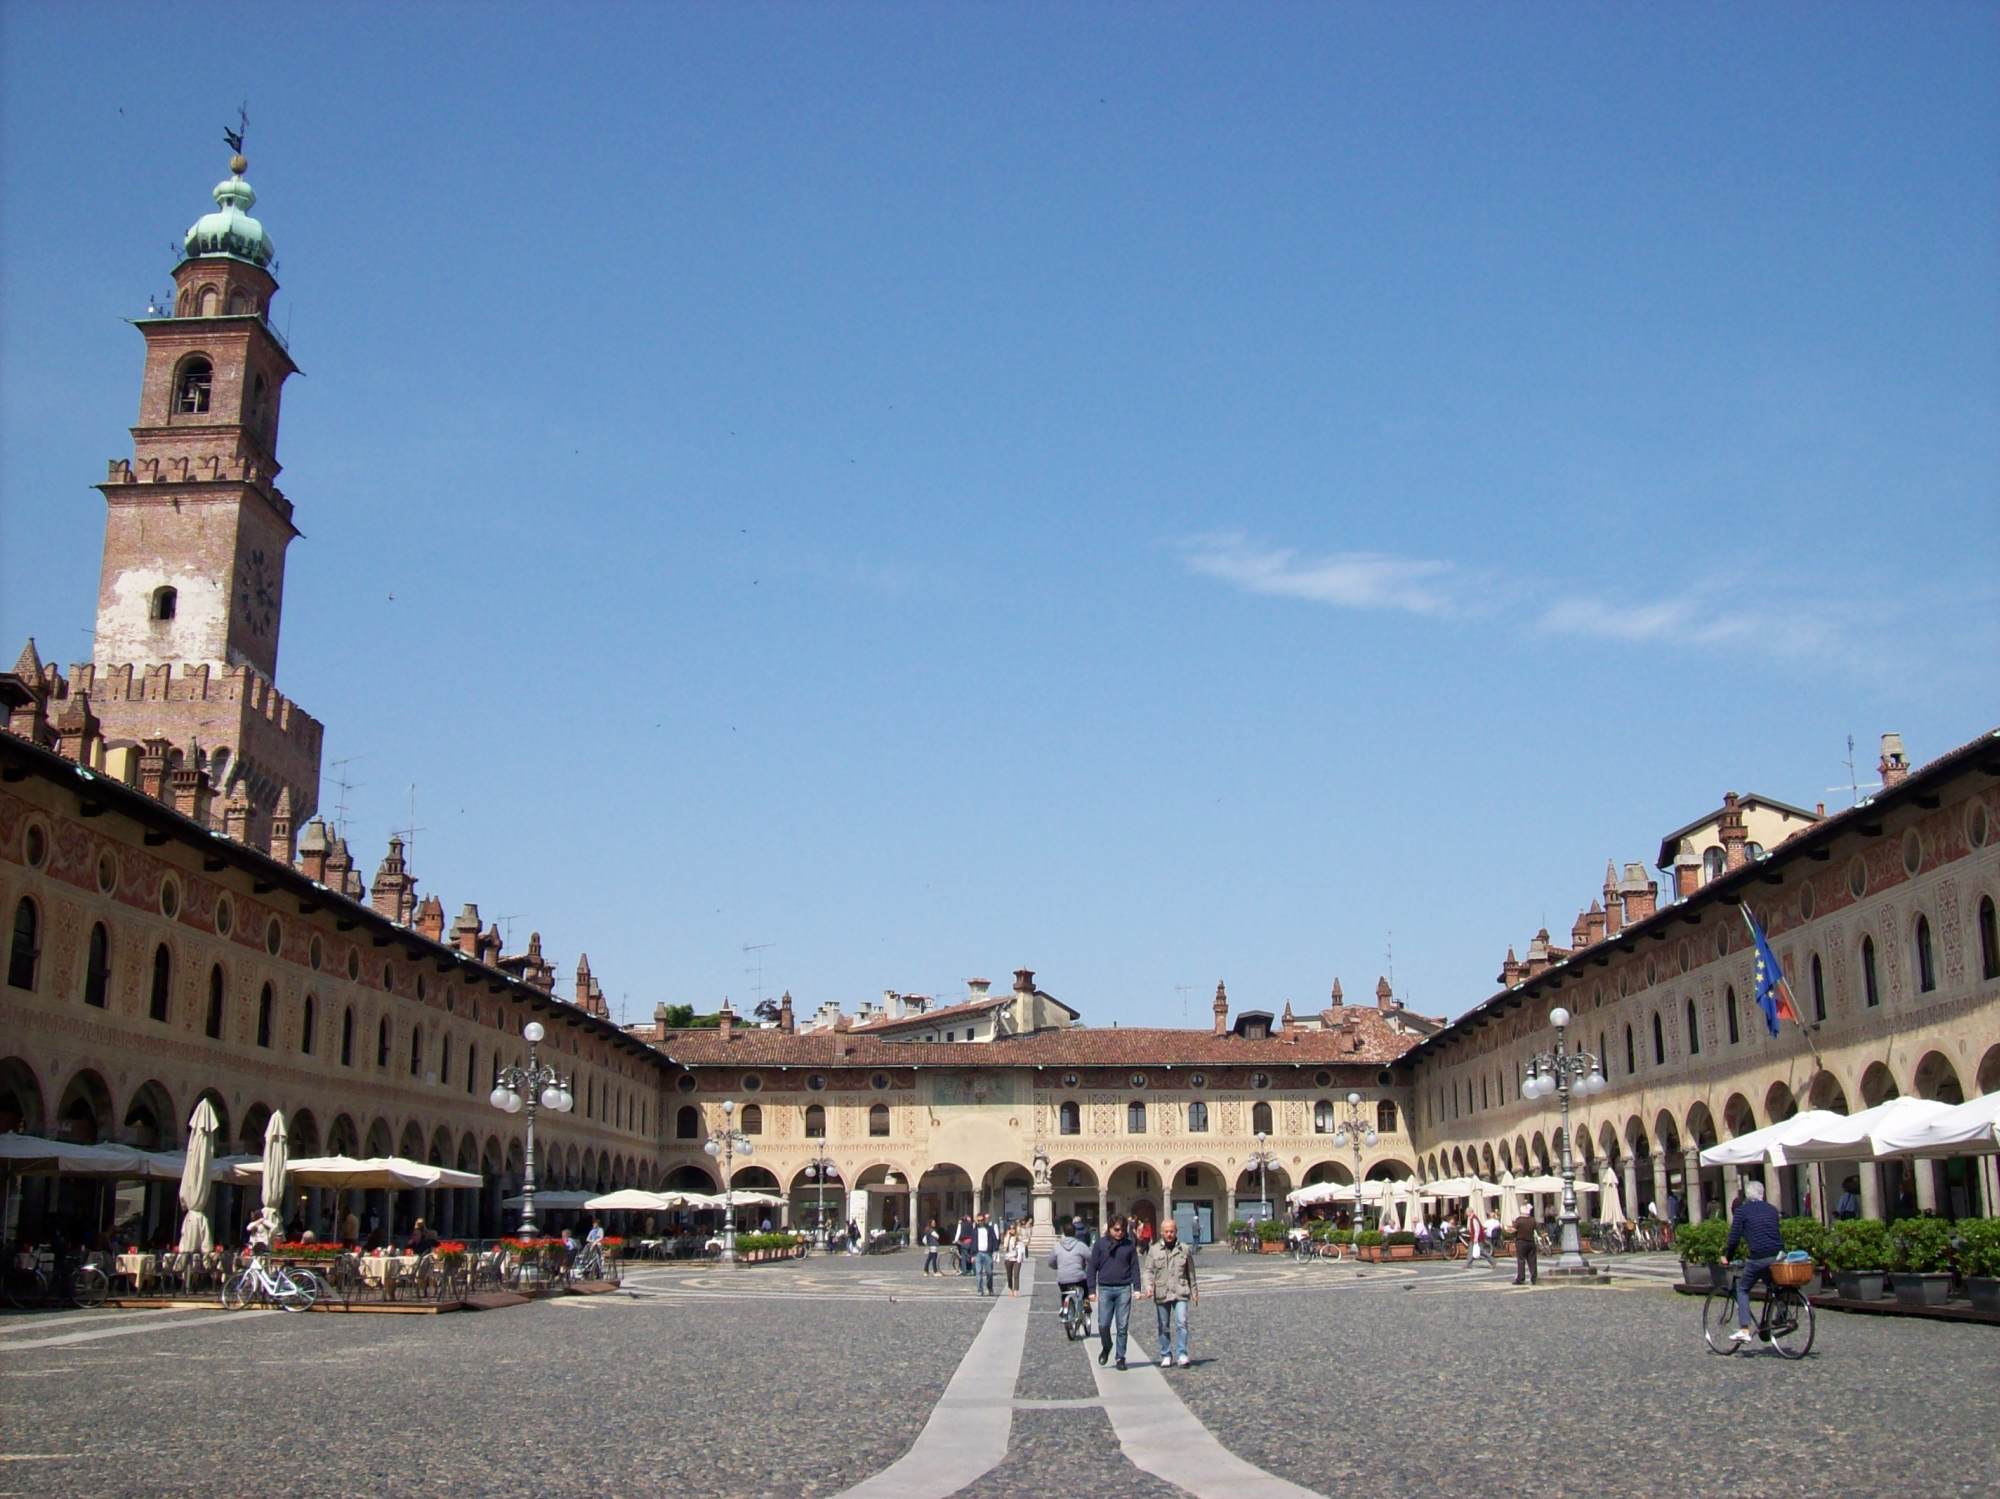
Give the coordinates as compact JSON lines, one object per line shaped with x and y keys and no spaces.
{"x":1014,"y":1250}
{"x":931,"y":1248}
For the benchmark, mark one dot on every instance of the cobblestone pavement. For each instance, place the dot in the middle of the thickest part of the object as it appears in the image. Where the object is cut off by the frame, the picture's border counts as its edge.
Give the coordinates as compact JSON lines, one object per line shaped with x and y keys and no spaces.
{"x":808,"y":1379}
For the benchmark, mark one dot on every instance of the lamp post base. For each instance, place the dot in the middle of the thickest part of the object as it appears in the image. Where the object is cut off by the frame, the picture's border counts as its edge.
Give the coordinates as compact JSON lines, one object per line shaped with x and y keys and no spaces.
{"x":1582,"y":1273}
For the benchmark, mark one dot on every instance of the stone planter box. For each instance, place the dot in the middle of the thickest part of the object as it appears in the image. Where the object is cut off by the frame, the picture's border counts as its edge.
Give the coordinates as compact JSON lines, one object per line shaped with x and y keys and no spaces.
{"x":1984,"y":1291}
{"x":1920,"y":1290}
{"x":1402,"y":1251}
{"x":1272,"y":1246}
{"x":1700,"y":1277}
{"x":1862,"y":1285}
{"x":1372,"y":1253}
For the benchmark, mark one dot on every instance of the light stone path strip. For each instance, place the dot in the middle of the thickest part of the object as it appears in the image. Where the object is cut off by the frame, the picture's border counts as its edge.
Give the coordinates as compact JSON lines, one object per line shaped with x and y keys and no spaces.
{"x":200,"y":1319}
{"x":967,"y":1434}
{"x":1162,"y":1436}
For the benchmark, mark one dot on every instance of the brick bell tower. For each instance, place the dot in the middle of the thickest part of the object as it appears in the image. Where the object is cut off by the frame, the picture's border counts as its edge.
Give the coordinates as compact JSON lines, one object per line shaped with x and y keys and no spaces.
{"x":191,"y":595}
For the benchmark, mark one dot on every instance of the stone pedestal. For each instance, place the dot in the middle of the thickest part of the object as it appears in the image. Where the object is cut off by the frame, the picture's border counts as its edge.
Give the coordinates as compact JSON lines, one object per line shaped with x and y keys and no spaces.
{"x":1042,"y":1219}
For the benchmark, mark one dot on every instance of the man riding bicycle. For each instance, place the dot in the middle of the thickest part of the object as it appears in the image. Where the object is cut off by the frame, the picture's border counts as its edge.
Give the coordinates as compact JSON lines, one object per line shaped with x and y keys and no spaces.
{"x":1071,"y":1262}
{"x":1755,"y":1223}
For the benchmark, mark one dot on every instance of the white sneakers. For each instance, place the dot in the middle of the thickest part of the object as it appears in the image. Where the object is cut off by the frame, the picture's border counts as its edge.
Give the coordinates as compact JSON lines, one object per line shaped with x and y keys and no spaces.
{"x":1166,"y":1361}
{"x":1741,"y":1335}
{"x":1183,"y":1360}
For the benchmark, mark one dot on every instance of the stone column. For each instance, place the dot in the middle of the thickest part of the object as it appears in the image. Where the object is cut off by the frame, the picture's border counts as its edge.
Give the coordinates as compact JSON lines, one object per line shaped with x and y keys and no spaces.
{"x":1634,"y":1208}
{"x":785,"y":1214}
{"x":1691,"y":1184}
{"x":1926,"y":1175}
{"x":1230,"y":1216}
{"x":1660,"y":1179}
{"x":1871,"y":1187}
{"x":1103,"y":1207}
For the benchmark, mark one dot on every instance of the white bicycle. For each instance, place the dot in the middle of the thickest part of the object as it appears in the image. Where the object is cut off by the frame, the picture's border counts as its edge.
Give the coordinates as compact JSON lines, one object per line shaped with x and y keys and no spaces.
{"x":259,"y":1282}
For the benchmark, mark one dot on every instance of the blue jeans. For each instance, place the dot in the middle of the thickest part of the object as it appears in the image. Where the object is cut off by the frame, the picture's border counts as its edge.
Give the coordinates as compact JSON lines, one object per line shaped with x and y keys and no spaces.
{"x":1114,"y":1312}
{"x":983,"y":1261}
{"x":930,"y":1260}
{"x":1747,"y":1275}
{"x":1172,"y":1318}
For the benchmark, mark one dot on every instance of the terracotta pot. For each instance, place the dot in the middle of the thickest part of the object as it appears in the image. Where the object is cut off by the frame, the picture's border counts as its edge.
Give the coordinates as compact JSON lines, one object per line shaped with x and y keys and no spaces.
{"x":1274,"y":1246}
{"x":1402,"y":1251}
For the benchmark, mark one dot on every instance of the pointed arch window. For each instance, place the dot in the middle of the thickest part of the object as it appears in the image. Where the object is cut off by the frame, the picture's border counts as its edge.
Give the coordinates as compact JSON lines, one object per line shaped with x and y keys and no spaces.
{"x":347,"y":1037}
{"x":212,"y":1025}
{"x":163,"y":983}
{"x":97,"y":967}
{"x":1926,"y":959}
{"x":416,"y":1052}
{"x":1659,"y":1041}
{"x":192,"y":386}
{"x":264,"y":1016}
{"x":471,"y":1068}
{"x":24,"y":957}
{"x":1631,"y":1060}
{"x":1989,"y":940}
{"x":1818,"y":988}
{"x":382,"y":1044}
{"x":1729,"y":1015}
{"x":308,"y":1024}
{"x":1694,"y":1031}
{"x":1069,"y":1118}
{"x":444,"y":1061}
{"x":1871,"y":990}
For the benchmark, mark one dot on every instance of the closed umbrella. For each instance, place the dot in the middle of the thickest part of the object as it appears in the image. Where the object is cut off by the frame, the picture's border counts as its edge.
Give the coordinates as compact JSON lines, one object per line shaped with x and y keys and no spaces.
{"x":1510,"y":1199}
{"x":277,"y":1155}
{"x":197,"y":1237}
{"x":1612,"y":1208}
{"x":1388,"y":1222}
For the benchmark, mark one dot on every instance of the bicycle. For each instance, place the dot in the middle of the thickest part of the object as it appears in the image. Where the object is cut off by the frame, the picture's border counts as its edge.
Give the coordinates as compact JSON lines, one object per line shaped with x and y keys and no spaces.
{"x":258,"y":1282}
{"x":589,"y":1263}
{"x":1786,"y":1322}
{"x":1075,"y":1314}
{"x":85,"y":1286}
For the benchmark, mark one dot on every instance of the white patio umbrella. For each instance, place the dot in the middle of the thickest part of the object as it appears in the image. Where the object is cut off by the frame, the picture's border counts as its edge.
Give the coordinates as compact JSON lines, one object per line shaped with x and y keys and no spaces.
{"x":552,"y":1201}
{"x":1766,"y":1146}
{"x":1510,"y":1198}
{"x":34,"y":1155}
{"x":1611,"y":1208}
{"x":390,"y":1173}
{"x":632,"y":1200}
{"x":1859,"y":1137}
{"x":277,"y":1152}
{"x":197,"y":1236}
{"x":1389,"y":1222}
{"x":1969,"y":1128}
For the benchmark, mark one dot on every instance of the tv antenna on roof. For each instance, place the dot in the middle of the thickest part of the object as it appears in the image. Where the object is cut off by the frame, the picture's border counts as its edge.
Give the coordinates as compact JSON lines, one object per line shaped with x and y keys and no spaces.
{"x":506,"y":925}
{"x":340,"y":780}
{"x":757,"y":966}
{"x":409,"y":834}
{"x":1183,"y":990}
{"x":1854,"y":787}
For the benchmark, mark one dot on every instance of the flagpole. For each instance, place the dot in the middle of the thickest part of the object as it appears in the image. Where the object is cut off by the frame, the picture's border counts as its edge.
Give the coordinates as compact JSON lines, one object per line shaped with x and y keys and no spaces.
{"x":1798,"y":1016}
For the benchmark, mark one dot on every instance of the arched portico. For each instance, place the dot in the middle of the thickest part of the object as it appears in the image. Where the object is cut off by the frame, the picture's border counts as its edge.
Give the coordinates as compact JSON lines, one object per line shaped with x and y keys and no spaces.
{"x":944,"y":1195}
{"x":1076,"y":1190}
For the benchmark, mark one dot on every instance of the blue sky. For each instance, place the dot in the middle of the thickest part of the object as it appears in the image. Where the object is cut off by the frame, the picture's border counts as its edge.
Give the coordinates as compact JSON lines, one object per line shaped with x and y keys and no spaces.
{"x":1149,"y":494}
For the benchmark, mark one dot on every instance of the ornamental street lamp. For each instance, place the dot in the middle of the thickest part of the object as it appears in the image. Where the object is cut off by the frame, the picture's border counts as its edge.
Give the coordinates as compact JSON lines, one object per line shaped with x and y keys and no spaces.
{"x":1354,"y":1128}
{"x":724,"y":1146}
{"x":1560,"y":1072}
{"x":821,"y":1169}
{"x":1262,"y":1158}
{"x":516,"y":1088}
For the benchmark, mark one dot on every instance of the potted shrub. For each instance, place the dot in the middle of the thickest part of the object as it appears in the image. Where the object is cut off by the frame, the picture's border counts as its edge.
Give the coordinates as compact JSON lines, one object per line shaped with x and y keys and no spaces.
{"x":1979,"y":1262}
{"x":1369,"y":1244}
{"x":1920,"y":1270}
{"x":1857,"y":1251}
{"x":1271,"y":1236}
{"x":1401,"y":1246}
{"x":1700,"y":1245}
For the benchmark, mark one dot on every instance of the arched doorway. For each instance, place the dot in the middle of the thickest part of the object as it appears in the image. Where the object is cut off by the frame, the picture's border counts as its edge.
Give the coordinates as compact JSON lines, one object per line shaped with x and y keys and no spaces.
{"x":1007,"y":1190}
{"x":1075,"y":1186}
{"x":944,"y":1194}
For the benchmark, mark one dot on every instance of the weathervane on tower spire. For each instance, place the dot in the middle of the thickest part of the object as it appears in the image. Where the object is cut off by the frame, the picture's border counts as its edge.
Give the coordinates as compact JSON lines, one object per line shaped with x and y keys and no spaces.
{"x":234,"y":138}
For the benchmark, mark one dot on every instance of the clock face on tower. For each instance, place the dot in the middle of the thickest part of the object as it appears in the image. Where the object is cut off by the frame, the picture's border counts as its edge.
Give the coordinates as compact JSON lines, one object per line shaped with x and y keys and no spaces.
{"x":257,"y":594}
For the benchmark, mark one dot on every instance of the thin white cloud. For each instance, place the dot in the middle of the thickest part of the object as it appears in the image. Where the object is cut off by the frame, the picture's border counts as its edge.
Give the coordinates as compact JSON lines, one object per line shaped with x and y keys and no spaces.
{"x":1777,"y":629}
{"x":1347,"y":580}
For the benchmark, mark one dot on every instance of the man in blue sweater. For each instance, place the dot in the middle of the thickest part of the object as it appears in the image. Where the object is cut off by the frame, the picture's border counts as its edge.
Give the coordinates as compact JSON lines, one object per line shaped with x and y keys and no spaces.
{"x":1755,"y":1224}
{"x":1114,"y":1271}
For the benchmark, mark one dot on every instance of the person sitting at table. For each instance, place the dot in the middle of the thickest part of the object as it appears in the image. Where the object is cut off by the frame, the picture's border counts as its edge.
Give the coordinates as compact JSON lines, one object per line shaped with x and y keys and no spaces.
{"x":308,"y":1237}
{"x":373,"y":1242}
{"x":422,"y":1240}
{"x":350,"y":1229}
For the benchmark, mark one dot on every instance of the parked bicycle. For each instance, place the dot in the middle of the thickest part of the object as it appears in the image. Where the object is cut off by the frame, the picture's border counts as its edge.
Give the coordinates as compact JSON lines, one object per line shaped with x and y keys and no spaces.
{"x":259,"y":1282}
{"x":1786,"y":1322}
{"x":81,"y":1284}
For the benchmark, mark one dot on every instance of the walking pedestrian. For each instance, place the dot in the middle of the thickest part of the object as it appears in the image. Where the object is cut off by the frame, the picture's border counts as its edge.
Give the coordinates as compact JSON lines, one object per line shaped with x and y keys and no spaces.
{"x":931,"y":1249}
{"x":1013,"y":1252}
{"x":963,"y":1239}
{"x":985,"y":1245}
{"x":1114,"y":1270}
{"x":1169,"y":1284}
{"x":1526,"y":1270}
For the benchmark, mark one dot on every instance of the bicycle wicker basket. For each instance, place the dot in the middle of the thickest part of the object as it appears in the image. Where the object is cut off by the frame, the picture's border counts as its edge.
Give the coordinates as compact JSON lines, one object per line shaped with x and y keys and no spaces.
{"x":1792,"y":1272}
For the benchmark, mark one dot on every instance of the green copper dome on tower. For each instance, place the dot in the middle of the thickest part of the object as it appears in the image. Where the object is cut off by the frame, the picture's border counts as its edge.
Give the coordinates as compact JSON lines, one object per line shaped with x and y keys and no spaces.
{"x":230,"y":230}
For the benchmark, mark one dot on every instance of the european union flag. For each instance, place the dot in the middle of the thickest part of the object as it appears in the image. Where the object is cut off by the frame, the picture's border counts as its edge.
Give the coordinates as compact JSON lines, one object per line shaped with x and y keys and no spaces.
{"x":1774,"y":995}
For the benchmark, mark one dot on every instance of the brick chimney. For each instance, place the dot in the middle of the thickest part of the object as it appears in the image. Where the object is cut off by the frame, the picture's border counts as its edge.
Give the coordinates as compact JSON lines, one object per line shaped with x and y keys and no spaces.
{"x":1385,"y":998}
{"x":1510,"y":970}
{"x":77,"y":731}
{"x":236,"y":815}
{"x":465,"y":929}
{"x":1579,"y":930}
{"x":188,"y":783}
{"x":1593,"y":923}
{"x":1640,"y":895}
{"x":1338,"y":998}
{"x":489,"y":946}
{"x":280,"y":846}
{"x":429,"y":919}
{"x":394,"y":893}
{"x":313,"y":850}
{"x":1687,"y":870}
{"x":786,"y":1024}
{"x":1895,"y":765}
{"x":1221,"y":1010}
{"x":1024,"y":981}
{"x":726,"y":1025}
{"x":1285,"y":1020}
{"x":1614,"y":914}
{"x":155,"y":763}
{"x":1735,"y":836}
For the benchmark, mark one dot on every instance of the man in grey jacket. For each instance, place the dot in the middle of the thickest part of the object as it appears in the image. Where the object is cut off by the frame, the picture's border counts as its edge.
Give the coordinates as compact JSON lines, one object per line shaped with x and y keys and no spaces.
{"x":1169,"y":1284}
{"x":1070,"y":1260}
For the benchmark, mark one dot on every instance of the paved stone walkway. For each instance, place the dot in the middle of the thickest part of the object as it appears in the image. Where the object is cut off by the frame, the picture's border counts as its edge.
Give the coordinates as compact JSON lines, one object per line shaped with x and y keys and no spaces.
{"x":861,"y":1376}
